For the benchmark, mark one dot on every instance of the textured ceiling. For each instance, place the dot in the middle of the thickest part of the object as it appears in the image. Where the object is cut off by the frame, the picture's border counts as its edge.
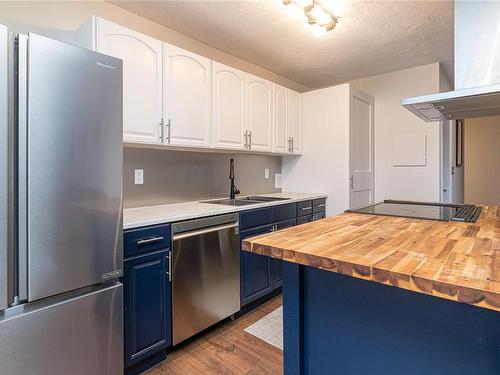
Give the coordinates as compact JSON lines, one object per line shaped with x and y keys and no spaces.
{"x":372,"y":37}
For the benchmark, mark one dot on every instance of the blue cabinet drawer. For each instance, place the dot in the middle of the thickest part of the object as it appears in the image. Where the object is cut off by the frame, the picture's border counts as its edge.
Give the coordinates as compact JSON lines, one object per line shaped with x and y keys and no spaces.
{"x":144,"y":240}
{"x":319,"y":205}
{"x":304,"y":208}
{"x":284,"y":212}
{"x":318,"y":215}
{"x":256,"y":218}
{"x":304,"y":219}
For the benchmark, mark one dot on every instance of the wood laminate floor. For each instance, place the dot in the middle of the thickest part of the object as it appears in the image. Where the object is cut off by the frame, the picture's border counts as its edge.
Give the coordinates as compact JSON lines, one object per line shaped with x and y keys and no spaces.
{"x":226,"y":349}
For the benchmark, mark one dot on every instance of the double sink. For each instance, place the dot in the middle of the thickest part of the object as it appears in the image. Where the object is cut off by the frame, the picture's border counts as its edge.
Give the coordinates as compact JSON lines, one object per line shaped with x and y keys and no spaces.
{"x":246,"y":201}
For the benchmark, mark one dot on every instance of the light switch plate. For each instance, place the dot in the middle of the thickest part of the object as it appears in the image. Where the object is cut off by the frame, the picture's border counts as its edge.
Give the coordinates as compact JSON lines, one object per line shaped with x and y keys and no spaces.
{"x":278,"y":181}
{"x":139,"y":176}
{"x":266,"y":173}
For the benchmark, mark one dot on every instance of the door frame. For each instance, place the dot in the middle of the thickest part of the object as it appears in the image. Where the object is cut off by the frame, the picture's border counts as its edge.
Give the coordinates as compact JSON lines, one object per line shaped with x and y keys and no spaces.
{"x":354,"y":92}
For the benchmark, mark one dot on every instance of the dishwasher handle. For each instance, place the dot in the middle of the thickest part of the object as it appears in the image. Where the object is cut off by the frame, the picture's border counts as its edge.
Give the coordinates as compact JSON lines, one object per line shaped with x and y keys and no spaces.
{"x":198,"y":232}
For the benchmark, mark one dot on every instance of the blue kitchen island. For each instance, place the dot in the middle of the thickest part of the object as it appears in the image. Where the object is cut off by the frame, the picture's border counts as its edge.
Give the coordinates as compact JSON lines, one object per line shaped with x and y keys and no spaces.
{"x":386,"y":295}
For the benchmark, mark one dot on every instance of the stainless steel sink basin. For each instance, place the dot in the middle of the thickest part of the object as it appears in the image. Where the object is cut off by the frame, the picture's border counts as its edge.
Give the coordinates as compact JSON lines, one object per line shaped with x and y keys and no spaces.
{"x":233,"y":202}
{"x":245,"y":201}
{"x":265,"y":199}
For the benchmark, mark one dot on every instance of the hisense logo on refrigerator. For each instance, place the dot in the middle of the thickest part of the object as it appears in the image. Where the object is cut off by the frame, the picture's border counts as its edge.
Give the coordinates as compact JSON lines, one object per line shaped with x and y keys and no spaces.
{"x":102,"y":65}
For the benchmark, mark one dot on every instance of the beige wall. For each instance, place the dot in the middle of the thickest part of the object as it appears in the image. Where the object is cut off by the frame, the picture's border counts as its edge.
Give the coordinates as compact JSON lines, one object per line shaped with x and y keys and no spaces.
{"x":392,"y":121}
{"x":59,"y":19}
{"x":482,"y":160}
{"x":324,"y":164}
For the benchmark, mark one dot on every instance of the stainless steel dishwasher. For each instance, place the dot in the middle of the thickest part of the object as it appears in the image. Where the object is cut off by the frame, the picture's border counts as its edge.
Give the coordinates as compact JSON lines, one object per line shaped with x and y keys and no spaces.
{"x":205,"y":273}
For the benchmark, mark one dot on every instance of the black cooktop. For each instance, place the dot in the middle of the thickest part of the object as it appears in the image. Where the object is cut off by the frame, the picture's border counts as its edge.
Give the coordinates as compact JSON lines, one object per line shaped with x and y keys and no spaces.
{"x":423,"y":210}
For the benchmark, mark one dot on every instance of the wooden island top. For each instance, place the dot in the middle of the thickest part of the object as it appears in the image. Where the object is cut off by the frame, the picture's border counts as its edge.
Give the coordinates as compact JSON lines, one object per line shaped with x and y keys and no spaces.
{"x":452,"y":260}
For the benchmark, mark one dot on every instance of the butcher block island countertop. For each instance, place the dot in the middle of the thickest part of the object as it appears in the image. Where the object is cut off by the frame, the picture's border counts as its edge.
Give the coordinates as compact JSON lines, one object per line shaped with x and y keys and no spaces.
{"x":451,"y":260}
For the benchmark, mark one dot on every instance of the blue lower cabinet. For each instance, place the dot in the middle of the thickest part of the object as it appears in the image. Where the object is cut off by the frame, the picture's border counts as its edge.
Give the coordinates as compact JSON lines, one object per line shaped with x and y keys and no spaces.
{"x":304,"y":219}
{"x":260,"y":275}
{"x":276,"y":272}
{"x":255,"y":272}
{"x":277,"y":264}
{"x":147,"y":306}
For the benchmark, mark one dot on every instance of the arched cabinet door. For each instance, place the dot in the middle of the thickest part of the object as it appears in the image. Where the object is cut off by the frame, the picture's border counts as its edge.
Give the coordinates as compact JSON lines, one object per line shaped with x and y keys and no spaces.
{"x":228,"y":95}
{"x":142,"y":79}
{"x":187,"y":98}
{"x":282,"y":143}
{"x":260,"y":112}
{"x":295,"y":122}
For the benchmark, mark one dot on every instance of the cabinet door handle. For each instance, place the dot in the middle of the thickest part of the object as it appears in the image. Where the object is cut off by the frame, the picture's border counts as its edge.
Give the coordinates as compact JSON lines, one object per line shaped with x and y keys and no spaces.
{"x":246,"y":138}
{"x":169,"y":268}
{"x":147,"y":241}
{"x":249,"y":139}
{"x":292,"y":145}
{"x":169,"y":125}
{"x":306,"y":208}
{"x":162,"y":130}
{"x":321,"y":205}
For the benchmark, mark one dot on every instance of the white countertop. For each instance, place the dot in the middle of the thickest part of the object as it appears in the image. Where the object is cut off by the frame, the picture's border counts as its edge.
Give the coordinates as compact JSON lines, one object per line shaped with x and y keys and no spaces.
{"x":168,"y":213}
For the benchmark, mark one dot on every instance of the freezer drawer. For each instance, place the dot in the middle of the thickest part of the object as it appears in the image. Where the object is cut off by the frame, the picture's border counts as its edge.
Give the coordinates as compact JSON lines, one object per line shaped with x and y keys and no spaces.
{"x":78,"y":336}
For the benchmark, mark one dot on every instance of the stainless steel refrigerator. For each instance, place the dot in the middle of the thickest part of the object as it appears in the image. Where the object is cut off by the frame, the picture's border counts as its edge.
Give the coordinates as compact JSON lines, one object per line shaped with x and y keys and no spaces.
{"x":60,"y":209}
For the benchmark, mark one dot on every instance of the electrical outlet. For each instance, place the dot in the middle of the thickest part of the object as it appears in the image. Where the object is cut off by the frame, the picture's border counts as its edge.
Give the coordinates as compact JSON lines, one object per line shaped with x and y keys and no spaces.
{"x":278,"y":181}
{"x":139,"y":176}
{"x":266,"y":173}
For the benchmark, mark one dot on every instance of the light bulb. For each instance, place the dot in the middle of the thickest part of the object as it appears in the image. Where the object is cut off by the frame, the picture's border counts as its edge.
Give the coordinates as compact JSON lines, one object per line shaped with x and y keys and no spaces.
{"x":320,"y":15}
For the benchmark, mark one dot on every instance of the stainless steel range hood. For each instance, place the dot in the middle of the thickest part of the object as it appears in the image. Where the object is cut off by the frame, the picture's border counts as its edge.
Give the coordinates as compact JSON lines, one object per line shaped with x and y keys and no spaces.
{"x":477,"y":67}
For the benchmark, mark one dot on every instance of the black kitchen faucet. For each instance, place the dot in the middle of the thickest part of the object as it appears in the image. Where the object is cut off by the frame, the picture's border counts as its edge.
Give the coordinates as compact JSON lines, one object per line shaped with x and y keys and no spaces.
{"x":233,"y":189}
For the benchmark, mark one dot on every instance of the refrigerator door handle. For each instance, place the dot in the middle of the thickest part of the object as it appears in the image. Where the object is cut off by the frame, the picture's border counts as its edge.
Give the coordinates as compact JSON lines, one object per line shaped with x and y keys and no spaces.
{"x":22,"y":98}
{"x":4,"y":168}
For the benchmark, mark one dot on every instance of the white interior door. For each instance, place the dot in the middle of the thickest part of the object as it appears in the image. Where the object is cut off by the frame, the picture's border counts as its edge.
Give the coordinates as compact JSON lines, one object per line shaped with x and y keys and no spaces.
{"x":187,"y":89}
{"x":361,"y":184}
{"x":142,"y":79}
{"x":229,"y":89}
{"x":259,"y":112}
{"x":280,"y":95}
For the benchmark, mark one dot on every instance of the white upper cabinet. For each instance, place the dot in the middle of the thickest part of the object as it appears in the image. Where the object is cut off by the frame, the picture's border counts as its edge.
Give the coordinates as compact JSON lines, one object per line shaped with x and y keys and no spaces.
{"x":187,"y":94}
{"x":281,"y":138}
{"x":295,"y":122}
{"x":175,"y":97}
{"x":228,"y":88}
{"x":142,"y":78}
{"x":259,"y":113}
